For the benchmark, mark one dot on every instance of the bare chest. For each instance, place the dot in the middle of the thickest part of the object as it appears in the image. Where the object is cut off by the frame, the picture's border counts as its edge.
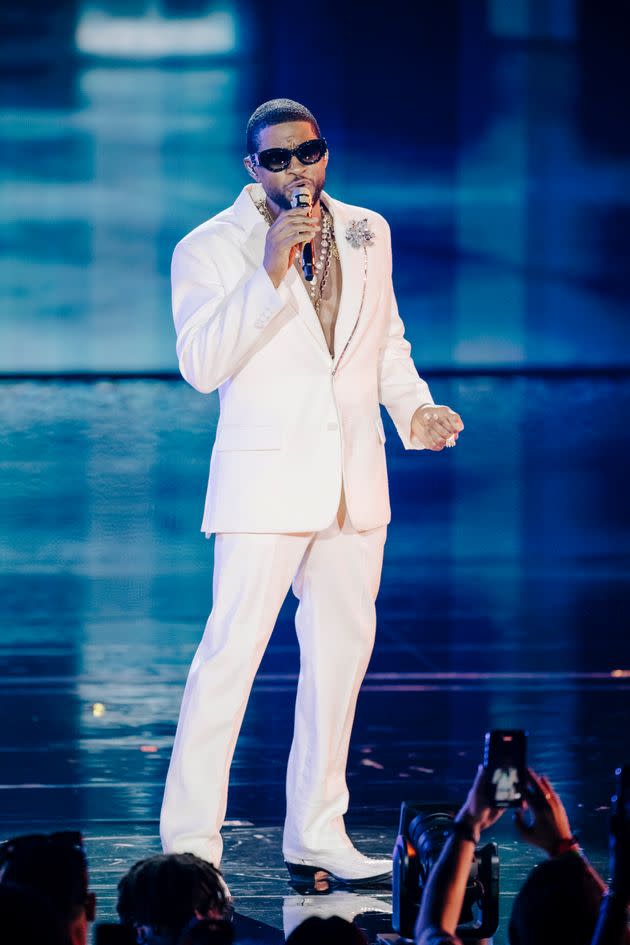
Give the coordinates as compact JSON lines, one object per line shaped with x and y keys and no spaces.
{"x":325,"y":297}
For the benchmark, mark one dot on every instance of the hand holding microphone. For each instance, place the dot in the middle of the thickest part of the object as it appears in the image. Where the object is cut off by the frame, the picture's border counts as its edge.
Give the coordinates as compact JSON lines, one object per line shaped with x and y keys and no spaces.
{"x":291,"y":229}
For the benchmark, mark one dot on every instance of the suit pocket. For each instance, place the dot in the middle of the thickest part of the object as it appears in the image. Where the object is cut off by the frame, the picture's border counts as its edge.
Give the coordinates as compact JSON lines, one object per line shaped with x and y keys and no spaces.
{"x":380,"y":429}
{"x":233,"y":436}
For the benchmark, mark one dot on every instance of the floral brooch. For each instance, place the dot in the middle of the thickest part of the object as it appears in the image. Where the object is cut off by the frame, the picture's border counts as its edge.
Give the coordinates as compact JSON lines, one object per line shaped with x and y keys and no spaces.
{"x":358,"y":234}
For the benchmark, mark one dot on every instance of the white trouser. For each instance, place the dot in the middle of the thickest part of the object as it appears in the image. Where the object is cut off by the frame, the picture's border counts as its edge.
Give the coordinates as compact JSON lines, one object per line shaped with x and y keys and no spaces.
{"x":336,"y":575}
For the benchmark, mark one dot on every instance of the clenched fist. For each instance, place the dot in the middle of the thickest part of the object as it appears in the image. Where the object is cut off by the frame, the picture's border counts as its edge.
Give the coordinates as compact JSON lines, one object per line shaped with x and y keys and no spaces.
{"x":289,"y":229}
{"x":433,"y":424}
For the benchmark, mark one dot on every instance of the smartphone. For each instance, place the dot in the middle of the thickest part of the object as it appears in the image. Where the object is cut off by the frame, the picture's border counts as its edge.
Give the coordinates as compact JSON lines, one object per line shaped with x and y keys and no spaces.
{"x":504,"y":757}
{"x":112,"y":933}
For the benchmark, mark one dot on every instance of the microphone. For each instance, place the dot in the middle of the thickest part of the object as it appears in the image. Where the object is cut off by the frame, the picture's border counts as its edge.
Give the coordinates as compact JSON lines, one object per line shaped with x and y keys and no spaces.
{"x":302,"y":198}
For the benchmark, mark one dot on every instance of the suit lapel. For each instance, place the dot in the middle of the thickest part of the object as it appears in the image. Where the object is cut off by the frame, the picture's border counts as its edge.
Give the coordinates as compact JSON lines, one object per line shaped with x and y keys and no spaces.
{"x":306,"y":310}
{"x":252,"y":220}
{"x":352,"y":263}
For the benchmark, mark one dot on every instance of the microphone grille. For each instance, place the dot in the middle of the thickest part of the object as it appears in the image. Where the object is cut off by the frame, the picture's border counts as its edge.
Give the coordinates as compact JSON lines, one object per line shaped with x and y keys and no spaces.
{"x":301,"y":197}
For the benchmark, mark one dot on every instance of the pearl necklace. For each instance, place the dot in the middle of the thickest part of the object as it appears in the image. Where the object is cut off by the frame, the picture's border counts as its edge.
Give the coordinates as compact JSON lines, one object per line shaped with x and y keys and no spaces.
{"x":328,"y":250}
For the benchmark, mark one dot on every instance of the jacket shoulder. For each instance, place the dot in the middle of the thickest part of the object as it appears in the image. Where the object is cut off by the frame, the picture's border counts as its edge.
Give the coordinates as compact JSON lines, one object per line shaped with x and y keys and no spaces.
{"x":202,"y":238}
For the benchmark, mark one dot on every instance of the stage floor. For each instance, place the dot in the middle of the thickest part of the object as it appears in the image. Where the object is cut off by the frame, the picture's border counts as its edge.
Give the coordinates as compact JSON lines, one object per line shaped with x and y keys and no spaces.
{"x":504,"y":603}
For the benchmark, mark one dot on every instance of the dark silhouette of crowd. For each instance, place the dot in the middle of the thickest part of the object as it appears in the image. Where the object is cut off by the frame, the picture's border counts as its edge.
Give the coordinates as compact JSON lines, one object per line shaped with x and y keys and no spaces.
{"x":179,"y":899}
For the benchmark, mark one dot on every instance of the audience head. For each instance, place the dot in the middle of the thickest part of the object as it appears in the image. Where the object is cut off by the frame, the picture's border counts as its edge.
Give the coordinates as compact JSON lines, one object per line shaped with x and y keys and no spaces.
{"x":54,"y":866}
{"x":207,"y":932}
{"x":333,"y":931}
{"x":162,"y":896}
{"x":28,"y":918}
{"x":553,"y":907}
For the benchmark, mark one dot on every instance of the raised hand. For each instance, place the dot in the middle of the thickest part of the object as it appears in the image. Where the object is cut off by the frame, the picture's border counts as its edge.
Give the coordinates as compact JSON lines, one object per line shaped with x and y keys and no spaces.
{"x":476,"y":810}
{"x":289,"y":229}
{"x":549,"y":826}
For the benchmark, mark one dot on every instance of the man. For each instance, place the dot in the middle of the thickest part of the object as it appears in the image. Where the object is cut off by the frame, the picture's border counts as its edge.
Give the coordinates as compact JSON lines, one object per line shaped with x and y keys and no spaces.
{"x":161,"y":896}
{"x":27,"y":916}
{"x":55,"y":866}
{"x":297,"y":492}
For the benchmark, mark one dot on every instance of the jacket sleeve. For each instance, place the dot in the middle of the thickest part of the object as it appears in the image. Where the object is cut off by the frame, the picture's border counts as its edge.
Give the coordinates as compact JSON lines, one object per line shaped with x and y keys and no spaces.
{"x":401,"y":389}
{"x":216,"y":329}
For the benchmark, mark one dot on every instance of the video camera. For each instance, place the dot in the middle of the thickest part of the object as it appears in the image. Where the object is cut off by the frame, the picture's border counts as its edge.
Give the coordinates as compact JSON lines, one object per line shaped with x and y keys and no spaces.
{"x":423,"y":831}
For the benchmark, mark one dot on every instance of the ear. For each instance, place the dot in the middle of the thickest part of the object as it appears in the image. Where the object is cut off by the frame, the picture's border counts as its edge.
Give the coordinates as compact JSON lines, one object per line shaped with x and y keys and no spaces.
{"x":250,"y":168}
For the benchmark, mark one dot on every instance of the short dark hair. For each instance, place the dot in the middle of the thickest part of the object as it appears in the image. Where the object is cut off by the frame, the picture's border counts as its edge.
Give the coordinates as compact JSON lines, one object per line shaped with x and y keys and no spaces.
{"x":165,"y":891}
{"x":334,"y":930}
{"x":554,"y":905}
{"x":28,"y":917}
{"x":56,"y":868}
{"x":276,"y":112}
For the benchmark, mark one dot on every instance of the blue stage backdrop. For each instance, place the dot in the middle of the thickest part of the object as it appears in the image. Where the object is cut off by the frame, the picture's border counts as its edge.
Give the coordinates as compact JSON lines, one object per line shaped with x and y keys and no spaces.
{"x":490,"y":134}
{"x":495,"y":139}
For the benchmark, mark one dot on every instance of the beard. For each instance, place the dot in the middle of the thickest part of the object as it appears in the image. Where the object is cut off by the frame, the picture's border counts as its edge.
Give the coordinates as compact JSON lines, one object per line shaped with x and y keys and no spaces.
{"x":281,"y":200}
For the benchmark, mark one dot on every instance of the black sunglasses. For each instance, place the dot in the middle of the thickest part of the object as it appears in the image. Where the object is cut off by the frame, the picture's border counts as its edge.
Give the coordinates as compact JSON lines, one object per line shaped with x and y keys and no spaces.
{"x":278,"y":159}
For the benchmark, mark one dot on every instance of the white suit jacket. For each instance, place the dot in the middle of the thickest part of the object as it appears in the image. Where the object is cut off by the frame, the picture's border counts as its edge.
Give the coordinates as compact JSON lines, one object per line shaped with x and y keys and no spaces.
{"x":293,"y":420}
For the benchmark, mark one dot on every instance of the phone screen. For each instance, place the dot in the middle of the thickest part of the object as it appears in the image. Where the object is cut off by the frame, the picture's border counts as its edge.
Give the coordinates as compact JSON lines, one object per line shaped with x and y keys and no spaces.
{"x":504,"y":758}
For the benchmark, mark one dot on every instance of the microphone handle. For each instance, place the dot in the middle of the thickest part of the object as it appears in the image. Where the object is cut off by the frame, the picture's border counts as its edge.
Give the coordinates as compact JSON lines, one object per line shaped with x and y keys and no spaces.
{"x":306,"y":249}
{"x":307,"y":261}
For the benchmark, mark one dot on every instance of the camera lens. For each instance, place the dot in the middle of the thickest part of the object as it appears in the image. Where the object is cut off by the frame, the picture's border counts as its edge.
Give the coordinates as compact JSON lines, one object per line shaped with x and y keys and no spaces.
{"x":428,"y":834}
